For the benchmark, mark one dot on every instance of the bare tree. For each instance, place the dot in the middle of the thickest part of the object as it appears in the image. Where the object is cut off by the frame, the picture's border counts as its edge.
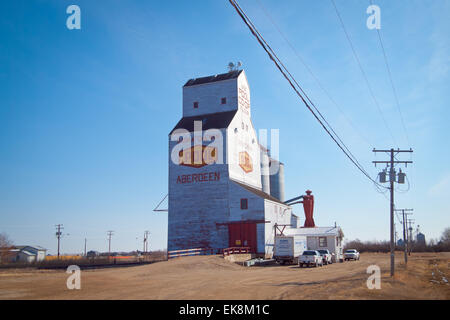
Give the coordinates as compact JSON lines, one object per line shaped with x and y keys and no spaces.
{"x":5,"y":242}
{"x":445,"y":238}
{"x":5,"y":246}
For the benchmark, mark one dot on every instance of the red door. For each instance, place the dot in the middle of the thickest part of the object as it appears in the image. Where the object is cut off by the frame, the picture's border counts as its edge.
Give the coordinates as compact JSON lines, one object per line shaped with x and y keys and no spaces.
{"x":242,"y":234}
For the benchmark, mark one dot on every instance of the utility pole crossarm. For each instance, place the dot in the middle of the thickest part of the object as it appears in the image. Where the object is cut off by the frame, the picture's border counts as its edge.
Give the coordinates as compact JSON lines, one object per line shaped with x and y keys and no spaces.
{"x":394,"y":162}
{"x":398,"y":150}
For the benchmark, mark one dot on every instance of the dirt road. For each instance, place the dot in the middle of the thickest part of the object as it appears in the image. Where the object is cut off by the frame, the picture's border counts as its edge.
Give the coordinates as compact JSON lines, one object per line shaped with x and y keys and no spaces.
{"x":211,"y":277}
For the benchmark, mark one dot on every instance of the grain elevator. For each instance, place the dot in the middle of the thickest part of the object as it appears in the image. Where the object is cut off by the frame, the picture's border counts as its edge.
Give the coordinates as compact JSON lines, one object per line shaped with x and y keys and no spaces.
{"x":221,"y":191}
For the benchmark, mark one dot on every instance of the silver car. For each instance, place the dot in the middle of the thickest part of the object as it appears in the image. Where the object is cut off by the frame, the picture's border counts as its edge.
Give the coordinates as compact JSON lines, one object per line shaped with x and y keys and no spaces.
{"x":351,"y":254}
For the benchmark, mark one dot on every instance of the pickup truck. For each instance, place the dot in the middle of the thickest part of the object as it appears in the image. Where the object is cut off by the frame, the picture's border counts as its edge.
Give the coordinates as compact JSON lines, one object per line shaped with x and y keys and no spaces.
{"x":326,"y":256}
{"x":351,"y":254}
{"x":310,"y":258}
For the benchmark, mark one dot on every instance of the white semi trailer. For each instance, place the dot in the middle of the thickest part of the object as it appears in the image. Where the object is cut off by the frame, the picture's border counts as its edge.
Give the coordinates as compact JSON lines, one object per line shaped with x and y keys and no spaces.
{"x":287,"y":249}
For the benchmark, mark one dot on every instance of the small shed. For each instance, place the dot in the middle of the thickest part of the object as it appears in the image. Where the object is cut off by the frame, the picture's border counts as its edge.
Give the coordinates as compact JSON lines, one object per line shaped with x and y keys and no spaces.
{"x":318,"y":238}
{"x":28,"y":254}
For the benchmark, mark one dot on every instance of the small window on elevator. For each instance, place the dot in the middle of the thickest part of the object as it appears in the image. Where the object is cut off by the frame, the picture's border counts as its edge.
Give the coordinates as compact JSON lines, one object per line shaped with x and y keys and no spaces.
{"x":196,"y":105}
{"x":244,"y":203}
{"x":223,"y":101}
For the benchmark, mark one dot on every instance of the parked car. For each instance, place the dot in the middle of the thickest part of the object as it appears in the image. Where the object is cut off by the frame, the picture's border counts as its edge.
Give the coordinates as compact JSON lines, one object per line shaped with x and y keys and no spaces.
{"x":310,"y":258}
{"x":351,"y":254}
{"x":326,"y":256}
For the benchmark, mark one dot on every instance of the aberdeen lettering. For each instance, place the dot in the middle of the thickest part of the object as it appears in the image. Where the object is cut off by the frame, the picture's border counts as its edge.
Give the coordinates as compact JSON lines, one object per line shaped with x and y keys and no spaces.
{"x":198,"y":177}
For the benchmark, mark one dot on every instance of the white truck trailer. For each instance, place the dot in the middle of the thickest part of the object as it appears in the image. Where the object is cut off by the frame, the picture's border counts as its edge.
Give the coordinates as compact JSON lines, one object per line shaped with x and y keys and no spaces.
{"x":287,"y":249}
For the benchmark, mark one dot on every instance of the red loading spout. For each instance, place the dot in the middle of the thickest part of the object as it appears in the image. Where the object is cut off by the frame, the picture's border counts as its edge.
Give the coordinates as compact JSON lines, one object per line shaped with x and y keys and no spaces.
{"x":308,"y":207}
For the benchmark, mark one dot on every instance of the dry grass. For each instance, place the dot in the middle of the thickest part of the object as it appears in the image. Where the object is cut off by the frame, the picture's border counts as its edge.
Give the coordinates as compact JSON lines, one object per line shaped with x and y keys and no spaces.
{"x":211,"y":277}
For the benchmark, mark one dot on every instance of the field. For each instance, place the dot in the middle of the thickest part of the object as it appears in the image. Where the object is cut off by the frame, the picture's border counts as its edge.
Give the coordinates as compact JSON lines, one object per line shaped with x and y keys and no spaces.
{"x":211,"y":277}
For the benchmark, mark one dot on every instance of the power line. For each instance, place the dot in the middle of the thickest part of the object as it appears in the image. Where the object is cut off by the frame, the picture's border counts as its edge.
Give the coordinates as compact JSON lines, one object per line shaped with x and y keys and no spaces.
{"x":288,"y":76}
{"x":333,"y":101}
{"x":392,"y":82}
{"x":362,"y":71}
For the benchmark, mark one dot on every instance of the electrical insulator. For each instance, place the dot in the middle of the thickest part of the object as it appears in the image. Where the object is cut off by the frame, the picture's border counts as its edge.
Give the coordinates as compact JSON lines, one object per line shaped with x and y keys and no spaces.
{"x":382,"y":176}
{"x":401,"y":177}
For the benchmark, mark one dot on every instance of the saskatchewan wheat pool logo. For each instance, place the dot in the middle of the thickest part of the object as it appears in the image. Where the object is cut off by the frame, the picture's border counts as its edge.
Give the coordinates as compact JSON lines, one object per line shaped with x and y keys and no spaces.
{"x":245,"y":162}
{"x":198,"y":156}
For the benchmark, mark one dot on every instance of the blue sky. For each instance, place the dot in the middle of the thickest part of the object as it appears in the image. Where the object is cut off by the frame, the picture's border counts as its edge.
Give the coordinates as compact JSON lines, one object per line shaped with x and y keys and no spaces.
{"x":85,"y":114}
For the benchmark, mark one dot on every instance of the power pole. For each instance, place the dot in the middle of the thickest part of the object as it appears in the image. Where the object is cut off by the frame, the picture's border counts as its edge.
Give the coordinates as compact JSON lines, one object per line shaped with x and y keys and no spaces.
{"x":410,"y":236}
{"x":85,"y":241}
{"x":405,"y":213}
{"x":146,"y":233}
{"x":59,"y":227}
{"x":392,"y":176}
{"x":110,"y":234}
{"x":395,"y":235}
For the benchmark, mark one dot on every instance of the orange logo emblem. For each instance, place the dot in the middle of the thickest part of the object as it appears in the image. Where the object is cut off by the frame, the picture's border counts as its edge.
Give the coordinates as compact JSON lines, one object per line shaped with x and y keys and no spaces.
{"x":245,"y":162}
{"x":198,"y":156}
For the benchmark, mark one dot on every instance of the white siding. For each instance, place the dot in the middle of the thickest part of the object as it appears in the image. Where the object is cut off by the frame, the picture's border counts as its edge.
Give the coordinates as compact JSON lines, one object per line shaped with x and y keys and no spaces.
{"x":255,"y":209}
{"x":275,"y":213}
{"x":195,"y":208}
{"x":209,"y":96}
{"x":244,"y":140}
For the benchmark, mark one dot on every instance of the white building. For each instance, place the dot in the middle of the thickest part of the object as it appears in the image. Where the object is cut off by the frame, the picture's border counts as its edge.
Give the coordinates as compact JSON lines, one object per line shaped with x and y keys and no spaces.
{"x":217,"y":201}
{"x":321,"y":238}
{"x":27,"y":254}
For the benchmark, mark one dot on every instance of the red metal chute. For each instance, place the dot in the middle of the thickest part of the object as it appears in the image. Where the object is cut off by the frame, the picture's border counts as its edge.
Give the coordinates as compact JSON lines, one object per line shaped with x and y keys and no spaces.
{"x":308,"y":207}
